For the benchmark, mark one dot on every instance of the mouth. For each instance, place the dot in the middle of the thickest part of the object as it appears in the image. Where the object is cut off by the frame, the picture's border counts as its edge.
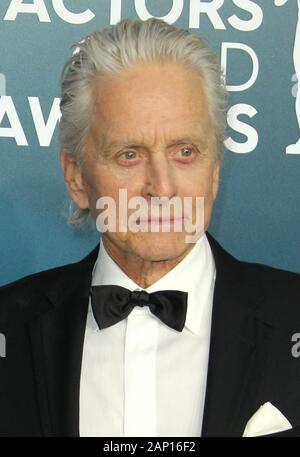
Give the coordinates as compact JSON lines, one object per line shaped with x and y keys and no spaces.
{"x":159,"y":220}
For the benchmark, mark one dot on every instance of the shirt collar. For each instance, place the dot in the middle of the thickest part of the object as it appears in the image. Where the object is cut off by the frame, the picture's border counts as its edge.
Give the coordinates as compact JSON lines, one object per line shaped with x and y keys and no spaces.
{"x":194,"y":274}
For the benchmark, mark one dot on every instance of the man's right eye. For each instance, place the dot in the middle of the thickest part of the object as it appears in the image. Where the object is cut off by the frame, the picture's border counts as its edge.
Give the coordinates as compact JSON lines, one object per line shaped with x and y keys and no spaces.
{"x":129,"y":155}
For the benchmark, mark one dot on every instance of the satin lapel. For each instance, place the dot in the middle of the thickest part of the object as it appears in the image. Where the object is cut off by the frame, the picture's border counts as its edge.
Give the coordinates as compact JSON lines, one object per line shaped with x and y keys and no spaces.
{"x":57,"y":338}
{"x":236,"y":333}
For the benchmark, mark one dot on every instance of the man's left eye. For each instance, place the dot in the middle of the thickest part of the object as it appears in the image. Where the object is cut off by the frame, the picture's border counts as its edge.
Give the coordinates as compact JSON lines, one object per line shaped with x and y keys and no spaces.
{"x":186,"y":152}
{"x":129,"y":154}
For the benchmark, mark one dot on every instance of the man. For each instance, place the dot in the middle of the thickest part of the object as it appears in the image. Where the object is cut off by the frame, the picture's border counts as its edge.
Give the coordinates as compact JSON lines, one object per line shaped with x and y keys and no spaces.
{"x":149,"y":335}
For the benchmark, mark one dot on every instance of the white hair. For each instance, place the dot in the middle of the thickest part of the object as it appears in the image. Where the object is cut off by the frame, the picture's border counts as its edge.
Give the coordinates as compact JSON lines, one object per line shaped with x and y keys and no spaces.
{"x":109,"y":51}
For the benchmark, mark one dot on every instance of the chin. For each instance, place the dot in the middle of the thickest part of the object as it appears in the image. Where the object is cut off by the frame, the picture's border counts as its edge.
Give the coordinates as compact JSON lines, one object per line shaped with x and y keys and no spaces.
{"x":157,"y":247}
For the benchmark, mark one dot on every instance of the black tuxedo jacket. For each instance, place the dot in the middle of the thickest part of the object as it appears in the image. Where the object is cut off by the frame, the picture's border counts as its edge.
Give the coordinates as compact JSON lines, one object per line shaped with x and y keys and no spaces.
{"x":256,"y":311}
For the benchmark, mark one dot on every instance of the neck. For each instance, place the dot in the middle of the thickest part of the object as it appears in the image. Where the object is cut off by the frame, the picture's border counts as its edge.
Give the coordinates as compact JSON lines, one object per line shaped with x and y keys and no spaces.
{"x":142,"y":272}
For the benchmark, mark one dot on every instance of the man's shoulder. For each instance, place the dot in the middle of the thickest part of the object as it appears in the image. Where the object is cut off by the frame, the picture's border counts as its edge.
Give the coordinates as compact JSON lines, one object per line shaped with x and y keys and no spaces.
{"x":281,"y":287}
{"x":275,"y":276}
{"x":277,"y":291}
{"x":17,"y":292}
{"x":271,"y":275}
{"x":282,"y":293}
{"x":277,"y":282}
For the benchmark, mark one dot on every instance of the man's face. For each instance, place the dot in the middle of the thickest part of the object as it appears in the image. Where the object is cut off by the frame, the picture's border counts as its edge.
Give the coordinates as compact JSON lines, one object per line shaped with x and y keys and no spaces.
{"x":150,"y":134}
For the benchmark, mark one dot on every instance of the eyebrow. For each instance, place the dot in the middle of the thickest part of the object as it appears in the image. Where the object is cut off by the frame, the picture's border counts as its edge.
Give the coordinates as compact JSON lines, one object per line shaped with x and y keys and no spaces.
{"x":188,"y":140}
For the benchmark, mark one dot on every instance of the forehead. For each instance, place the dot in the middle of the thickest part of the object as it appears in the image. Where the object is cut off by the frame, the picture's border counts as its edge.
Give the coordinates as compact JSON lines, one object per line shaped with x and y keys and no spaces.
{"x":151,"y":100}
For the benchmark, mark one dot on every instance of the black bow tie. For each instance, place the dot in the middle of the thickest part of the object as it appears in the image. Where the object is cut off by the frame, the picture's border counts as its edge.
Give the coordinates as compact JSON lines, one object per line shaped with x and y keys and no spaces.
{"x":112,"y":304}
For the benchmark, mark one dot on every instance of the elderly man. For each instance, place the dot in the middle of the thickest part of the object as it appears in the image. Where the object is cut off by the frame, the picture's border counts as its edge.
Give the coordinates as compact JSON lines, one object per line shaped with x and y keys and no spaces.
{"x":149,"y":335}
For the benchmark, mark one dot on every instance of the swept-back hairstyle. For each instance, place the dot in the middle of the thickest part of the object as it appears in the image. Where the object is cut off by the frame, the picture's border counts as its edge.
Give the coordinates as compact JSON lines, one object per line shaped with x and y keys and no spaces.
{"x":110,"y":50}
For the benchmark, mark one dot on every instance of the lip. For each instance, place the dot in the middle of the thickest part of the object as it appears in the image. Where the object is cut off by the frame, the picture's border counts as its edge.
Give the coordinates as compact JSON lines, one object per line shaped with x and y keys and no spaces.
{"x":160,"y":220}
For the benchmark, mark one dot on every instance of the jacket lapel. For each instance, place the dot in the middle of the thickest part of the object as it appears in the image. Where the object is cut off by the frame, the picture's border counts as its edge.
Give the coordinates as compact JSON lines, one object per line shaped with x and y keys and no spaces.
{"x":57,"y":337}
{"x":236,"y":347}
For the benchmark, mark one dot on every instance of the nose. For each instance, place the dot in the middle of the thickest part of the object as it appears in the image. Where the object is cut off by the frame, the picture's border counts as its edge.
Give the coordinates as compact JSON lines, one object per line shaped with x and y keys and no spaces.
{"x":160,"y":179}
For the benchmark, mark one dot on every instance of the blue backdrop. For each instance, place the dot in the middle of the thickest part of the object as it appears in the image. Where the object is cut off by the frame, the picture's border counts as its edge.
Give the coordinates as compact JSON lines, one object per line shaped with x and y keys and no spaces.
{"x":256,"y":215}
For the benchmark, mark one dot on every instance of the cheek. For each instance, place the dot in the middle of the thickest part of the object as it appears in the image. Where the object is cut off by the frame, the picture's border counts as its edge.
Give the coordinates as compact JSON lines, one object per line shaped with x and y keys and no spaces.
{"x":200,"y":184}
{"x":110,"y":184}
{"x":99,"y":183}
{"x":106,"y":184}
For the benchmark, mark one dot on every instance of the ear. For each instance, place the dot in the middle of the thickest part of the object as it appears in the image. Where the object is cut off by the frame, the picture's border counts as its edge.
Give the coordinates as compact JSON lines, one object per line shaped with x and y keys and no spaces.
{"x":216,"y":174}
{"x":73,"y":180}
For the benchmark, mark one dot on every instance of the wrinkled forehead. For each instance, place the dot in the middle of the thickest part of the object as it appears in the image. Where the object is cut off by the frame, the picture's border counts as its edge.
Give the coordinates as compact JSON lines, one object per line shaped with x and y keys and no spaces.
{"x":151,"y":102}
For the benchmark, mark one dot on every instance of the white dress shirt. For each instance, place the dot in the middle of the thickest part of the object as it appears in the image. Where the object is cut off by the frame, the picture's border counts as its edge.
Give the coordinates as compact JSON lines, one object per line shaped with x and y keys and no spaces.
{"x":140,"y":377}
